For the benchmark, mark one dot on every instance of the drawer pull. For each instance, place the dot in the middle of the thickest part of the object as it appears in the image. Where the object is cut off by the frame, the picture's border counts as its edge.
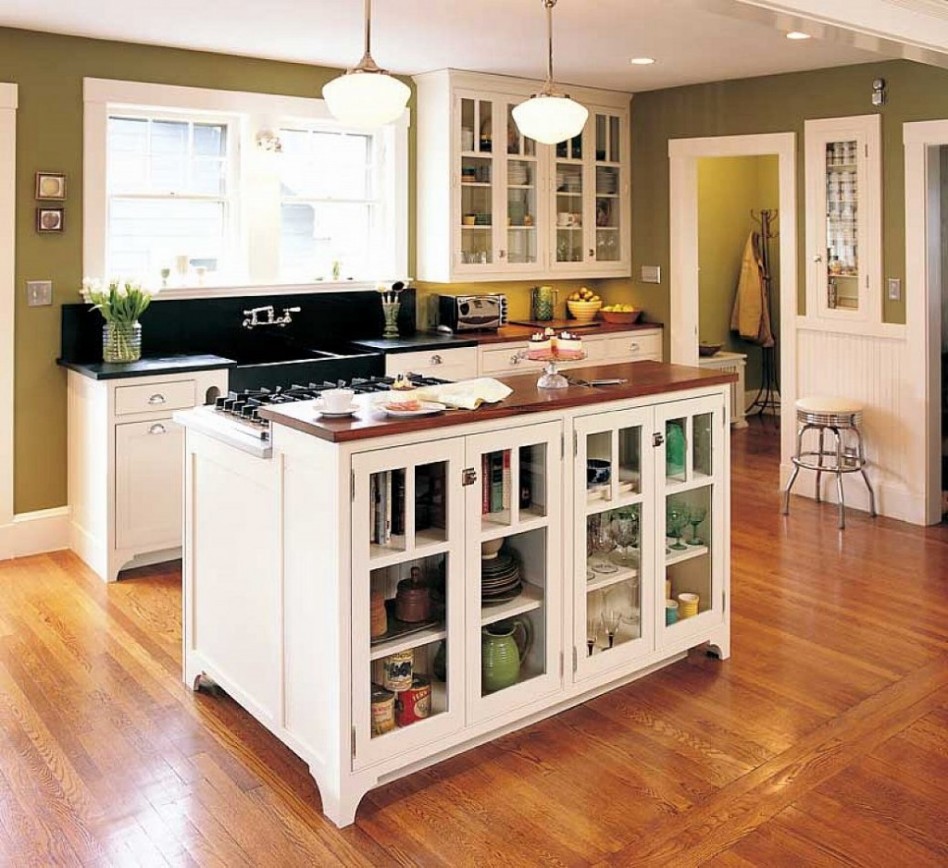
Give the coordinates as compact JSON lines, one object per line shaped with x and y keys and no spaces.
{"x":516,"y":359}
{"x":436,"y":359}
{"x":157,"y":428}
{"x":157,"y":398}
{"x":634,"y":347}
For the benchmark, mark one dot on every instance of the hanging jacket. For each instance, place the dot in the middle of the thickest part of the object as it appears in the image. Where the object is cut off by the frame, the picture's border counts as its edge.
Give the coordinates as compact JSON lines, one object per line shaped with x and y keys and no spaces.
{"x":750,"y":317}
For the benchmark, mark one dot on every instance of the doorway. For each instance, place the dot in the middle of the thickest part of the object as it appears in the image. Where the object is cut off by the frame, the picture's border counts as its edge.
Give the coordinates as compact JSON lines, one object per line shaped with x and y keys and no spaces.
{"x":685,"y":156}
{"x":8,"y":104}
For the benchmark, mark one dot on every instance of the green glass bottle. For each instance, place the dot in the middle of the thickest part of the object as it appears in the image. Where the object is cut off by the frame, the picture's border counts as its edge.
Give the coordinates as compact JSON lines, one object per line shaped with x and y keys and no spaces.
{"x":674,"y":449}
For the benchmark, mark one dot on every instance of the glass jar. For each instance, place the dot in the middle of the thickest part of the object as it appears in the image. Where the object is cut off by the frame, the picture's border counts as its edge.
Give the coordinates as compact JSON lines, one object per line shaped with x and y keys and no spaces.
{"x":121,"y":342}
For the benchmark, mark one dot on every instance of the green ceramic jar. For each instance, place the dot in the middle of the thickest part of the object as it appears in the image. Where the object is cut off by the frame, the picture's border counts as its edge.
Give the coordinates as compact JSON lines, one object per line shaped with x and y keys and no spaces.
{"x":501,"y":653}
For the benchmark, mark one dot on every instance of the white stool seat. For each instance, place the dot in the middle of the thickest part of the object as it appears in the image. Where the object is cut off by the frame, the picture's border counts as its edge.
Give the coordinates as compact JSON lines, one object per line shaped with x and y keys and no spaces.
{"x":841,"y":417}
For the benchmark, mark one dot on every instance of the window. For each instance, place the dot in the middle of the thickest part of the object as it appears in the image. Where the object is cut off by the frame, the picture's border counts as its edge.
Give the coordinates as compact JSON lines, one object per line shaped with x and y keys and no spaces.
{"x":185,"y":187}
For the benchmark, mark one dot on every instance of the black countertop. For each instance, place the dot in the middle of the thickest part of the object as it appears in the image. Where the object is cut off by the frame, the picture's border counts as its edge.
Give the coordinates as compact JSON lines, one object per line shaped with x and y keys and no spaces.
{"x":419,"y":341}
{"x":148,"y":366}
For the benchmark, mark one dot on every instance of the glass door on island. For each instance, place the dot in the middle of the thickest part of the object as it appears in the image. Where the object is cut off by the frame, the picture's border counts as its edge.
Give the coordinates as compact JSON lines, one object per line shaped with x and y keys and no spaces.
{"x":407,"y":598}
{"x":608,"y":185}
{"x":568,"y":194}
{"x":522,"y":167}
{"x":513,"y":572}
{"x":612,"y":579}
{"x":477,"y":169}
{"x":842,"y":225}
{"x":691,"y":518}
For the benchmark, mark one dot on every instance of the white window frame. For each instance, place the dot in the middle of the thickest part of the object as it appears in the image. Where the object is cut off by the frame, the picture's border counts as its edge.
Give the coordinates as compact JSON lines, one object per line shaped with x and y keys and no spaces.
{"x":254,"y":112}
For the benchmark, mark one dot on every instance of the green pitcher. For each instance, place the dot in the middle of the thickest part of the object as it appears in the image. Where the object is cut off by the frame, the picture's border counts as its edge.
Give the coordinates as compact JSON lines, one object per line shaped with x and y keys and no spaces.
{"x":503,"y":653}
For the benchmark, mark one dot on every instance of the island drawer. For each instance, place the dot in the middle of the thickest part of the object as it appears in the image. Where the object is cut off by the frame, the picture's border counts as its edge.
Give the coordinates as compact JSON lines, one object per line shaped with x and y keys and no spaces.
{"x":149,"y":397}
{"x":635,"y":346}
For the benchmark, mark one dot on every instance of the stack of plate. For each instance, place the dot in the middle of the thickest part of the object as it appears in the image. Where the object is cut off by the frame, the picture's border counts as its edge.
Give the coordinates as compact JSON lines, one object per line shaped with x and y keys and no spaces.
{"x":500,"y":578}
{"x":605,"y":180}
{"x":517,"y":174}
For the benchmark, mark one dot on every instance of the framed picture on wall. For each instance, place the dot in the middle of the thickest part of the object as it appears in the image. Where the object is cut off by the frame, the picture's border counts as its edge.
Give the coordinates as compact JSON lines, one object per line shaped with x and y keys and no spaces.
{"x":50,"y":185}
{"x":50,"y":219}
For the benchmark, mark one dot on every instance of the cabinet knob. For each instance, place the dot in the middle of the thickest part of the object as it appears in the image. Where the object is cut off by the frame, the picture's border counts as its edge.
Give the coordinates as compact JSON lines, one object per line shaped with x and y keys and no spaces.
{"x":516,"y":359}
{"x":157,"y":398}
{"x":592,"y":253}
{"x":502,"y":253}
{"x":436,"y":359}
{"x":634,"y":347}
{"x":157,"y":428}
{"x":817,"y":258}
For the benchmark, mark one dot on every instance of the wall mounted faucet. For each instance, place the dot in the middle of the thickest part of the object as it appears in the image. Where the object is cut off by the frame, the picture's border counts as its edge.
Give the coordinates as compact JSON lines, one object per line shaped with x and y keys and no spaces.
{"x":252,"y":317}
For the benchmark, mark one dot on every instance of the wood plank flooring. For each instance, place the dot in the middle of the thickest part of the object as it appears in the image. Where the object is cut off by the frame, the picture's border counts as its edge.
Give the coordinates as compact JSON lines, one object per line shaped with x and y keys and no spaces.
{"x":823,"y":740}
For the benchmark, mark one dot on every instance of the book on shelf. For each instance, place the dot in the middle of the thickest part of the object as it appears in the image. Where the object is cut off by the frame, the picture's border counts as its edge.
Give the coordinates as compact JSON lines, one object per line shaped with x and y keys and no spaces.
{"x":485,"y":484}
{"x":398,"y":502}
{"x":496,"y":482}
{"x":388,"y":507}
{"x":505,"y":481}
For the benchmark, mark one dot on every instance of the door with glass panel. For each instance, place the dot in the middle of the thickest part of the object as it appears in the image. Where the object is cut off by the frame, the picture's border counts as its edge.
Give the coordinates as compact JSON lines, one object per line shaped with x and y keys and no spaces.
{"x":407,"y":598}
{"x":691,"y":516}
{"x":609,"y":131}
{"x":514,"y":568}
{"x":569,"y":213}
{"x":613,"y":540}
{"x":521,"y":173}
{"x":478,"y":207}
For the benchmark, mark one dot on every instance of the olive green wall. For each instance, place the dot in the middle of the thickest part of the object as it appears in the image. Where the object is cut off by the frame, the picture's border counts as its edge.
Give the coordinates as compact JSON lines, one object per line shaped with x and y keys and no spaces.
{"x":729,"y":189}
{"x":49,"y":70}
{"x":771,"y":104}
{"x":943,"y":154}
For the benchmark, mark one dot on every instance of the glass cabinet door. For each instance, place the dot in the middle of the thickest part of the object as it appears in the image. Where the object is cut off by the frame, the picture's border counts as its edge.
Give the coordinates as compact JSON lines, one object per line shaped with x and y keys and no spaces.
{"x":478,"y":162}
{"x":613,"y":533}
{"x":608,"y":131}
{"x":520,"y":245}
{"x":842,"y":213}
{"x":691,"y":518}
{"x":407,"y":598}
{"x":568,"y":214}
{"x":513,"y":568}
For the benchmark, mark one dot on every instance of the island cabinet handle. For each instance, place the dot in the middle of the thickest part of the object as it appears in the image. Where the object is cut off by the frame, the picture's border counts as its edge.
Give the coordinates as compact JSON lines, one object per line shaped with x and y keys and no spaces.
{"x":634,"y":347}
{"x":157,"y":428}
{"x":157,"y":398}
{"x":436,"y":359}
{"x":658,"y":438}
{"x":516,"y":359}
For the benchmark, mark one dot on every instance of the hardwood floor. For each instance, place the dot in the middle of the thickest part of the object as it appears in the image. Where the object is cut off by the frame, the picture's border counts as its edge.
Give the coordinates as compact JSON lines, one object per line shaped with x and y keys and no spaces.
{"x":823,"y":740}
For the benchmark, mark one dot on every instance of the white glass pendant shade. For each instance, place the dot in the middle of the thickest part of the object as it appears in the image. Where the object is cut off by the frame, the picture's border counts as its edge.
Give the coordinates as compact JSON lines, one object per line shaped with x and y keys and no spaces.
{"x":550,"y":118}
{"x":366,"y":100}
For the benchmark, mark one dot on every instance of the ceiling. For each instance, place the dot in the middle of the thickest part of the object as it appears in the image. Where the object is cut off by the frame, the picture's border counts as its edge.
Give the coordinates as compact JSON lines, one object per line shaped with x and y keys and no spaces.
{"x":692,"y":40}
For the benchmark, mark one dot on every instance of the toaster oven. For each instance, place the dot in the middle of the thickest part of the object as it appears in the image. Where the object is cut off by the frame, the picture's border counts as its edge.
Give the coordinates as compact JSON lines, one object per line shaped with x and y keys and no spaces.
{"x":466,"y":313}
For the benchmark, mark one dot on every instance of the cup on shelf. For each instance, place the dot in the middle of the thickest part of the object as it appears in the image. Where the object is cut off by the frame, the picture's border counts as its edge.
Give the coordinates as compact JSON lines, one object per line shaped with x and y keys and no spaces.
{"x":671,"y":612}
{"x":687,"y":605}
{"x":564,"y":218}
{"x":468,"y":219}
{"x":467,"y":139}
{"x":337,"y":400}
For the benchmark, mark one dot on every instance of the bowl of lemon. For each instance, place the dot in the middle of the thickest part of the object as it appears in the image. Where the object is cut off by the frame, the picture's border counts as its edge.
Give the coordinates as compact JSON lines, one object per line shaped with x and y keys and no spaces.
{"x":624,"y":314}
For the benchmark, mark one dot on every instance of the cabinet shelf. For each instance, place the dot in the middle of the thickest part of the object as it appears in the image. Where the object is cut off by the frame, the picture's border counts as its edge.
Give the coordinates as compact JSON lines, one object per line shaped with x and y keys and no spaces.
{"x":389,"y":556}
{"x":607,"y":580}
{"x":486,"y":227}
{"x":410,"y":640}
{"x":677,"y":556}
{"x":698,"y":480}
{"x":599,"y":494}
{"x":531,"y":597}
{"x":500,"y":523}
{"x":475,"y":184}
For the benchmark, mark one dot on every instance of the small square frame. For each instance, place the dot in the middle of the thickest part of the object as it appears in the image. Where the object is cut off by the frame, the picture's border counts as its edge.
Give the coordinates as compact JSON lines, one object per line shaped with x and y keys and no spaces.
{"x":50,"y":185}
{"x":50,"y":219}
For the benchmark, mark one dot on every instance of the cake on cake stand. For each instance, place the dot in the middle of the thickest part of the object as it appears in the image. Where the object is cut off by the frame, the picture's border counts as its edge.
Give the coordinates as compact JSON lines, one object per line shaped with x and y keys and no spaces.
{"x":551,"y":378}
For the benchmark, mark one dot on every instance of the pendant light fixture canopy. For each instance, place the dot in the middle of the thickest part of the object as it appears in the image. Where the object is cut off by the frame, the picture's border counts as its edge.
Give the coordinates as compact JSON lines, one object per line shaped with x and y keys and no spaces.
{"x":366,"y":96}
{"x":550,"y":117}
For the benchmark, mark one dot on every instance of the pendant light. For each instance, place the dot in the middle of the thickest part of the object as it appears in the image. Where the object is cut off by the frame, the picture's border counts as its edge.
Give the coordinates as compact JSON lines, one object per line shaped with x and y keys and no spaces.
{"x":366,"y":96}
{"x":548,"y":116}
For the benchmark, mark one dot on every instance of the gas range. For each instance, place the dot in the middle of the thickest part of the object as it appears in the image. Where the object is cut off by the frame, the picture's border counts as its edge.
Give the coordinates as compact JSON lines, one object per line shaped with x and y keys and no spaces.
{"x":235,"y":417}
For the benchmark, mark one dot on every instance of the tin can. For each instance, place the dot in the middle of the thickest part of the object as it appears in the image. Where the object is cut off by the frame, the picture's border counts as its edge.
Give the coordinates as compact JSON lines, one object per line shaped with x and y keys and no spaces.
{"x":383,"y":710}
{"x":413,"y":704}
{"x":397,"y":670}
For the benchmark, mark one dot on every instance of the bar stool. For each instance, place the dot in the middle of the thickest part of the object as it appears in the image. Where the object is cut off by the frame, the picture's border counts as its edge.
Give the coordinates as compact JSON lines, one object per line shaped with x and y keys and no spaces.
{"x":842,"y":417}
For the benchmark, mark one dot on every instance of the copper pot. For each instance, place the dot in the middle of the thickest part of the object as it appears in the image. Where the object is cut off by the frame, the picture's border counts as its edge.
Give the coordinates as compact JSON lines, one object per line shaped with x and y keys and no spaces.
{"x":412,"y":602}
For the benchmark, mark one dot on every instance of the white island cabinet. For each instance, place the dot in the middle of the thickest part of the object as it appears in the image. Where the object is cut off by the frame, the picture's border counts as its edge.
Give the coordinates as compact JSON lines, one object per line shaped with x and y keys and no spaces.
{"x":424,"y":585}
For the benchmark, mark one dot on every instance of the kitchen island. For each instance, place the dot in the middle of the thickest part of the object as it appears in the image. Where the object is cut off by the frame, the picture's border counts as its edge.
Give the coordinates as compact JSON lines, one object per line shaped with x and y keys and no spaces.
{"x":385,"y":592}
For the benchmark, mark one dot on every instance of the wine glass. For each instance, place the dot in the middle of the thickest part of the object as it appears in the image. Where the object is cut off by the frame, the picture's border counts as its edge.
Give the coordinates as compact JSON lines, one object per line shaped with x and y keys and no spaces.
{"x":610,"y":624}
{"x":698,"y":515}
{"x":676,"y":517}
{"x":603,"y":542}
{"x":625,"y":529}
{"x":592,"y":634}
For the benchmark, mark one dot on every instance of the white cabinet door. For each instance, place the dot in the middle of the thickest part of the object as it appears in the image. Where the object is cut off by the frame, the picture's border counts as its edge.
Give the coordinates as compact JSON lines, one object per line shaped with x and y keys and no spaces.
{"x":514,"y":568}
{"x":148,"y":479}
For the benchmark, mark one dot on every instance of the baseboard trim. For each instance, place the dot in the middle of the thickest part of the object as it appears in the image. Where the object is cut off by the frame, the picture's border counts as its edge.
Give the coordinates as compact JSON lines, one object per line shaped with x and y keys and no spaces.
{"x":32,"y":533}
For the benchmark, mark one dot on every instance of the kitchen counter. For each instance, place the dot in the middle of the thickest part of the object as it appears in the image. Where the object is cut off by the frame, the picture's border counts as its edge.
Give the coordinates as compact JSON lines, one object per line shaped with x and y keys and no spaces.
{"x":643,"y":378}
{"x":148,"y":366}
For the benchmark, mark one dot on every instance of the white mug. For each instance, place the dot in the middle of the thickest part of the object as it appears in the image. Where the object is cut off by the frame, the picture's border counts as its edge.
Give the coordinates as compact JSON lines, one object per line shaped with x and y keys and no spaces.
{"x":337,"y":400}
{"x":564,"y":218}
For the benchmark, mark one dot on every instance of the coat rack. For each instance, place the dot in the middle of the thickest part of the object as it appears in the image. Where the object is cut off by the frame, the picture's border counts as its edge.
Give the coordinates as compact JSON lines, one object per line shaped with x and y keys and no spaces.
{"x":768,"y":395}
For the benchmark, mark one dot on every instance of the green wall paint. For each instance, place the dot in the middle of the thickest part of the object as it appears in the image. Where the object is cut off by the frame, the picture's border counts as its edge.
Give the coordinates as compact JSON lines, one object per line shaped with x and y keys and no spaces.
{"x":49,"y":70}
{"x":729,"y":188}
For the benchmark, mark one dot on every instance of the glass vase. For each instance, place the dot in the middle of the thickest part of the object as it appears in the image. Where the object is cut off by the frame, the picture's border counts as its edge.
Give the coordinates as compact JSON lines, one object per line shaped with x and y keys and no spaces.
{"x":390,"y":309}
{"x":121,"y":342}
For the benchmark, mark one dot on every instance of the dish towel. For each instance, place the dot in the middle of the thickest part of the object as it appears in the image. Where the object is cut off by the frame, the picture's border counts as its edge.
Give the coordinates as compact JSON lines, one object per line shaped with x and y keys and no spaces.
{"x":466,"y":394}
{"x":751,"y":314}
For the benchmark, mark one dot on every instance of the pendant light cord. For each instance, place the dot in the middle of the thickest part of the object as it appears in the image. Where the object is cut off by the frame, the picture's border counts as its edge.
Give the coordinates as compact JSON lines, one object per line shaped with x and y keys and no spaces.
{"x":367,"y":64}
{"x":549,"y":4}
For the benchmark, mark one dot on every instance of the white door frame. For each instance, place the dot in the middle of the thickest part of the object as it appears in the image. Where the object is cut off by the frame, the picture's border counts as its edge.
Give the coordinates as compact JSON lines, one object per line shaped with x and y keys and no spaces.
{"x":683,"y":194}
{"x":8,"y":106}
{"x":923,"y":298}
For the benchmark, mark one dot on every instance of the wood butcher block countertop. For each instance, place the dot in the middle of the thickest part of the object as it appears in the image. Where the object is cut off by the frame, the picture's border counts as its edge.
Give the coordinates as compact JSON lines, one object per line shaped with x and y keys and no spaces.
{"x":643,"y":378}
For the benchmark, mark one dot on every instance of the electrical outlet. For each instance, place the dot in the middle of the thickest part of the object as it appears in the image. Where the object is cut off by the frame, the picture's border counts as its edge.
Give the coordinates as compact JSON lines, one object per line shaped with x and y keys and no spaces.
{"x":651,"y":274}
{"x":894,"y":288}
{"x":39,"y":293}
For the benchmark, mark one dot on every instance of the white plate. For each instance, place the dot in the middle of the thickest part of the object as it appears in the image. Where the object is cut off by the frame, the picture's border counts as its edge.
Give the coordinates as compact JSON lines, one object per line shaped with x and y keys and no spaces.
{"x":427,"y":408}
{"x":341,"y":414}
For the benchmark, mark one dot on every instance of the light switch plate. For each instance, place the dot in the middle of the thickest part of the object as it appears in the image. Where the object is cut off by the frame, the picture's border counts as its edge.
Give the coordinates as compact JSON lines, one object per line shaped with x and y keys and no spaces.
{"x":651,"y":274}
{"x":39,"y":293}
{"x":893,"y":288}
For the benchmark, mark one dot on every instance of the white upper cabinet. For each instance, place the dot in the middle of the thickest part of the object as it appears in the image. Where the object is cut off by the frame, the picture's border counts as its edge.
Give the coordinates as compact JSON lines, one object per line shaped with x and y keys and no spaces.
{"x":494,"y":204}
{"x":844,"y":218}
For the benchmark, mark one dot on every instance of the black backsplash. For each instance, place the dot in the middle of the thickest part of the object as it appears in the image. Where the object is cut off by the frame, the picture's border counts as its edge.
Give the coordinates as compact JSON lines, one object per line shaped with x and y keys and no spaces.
{"x":326,"y":321}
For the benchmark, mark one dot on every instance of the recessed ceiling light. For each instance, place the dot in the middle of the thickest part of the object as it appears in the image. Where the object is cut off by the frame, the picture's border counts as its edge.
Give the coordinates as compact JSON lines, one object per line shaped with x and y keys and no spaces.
{"x":642,"y":61}
{"x":797,"y":34}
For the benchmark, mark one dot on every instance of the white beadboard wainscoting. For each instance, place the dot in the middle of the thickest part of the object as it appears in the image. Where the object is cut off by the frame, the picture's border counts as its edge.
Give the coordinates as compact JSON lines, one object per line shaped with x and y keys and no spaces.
{"x":872,"y":369}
